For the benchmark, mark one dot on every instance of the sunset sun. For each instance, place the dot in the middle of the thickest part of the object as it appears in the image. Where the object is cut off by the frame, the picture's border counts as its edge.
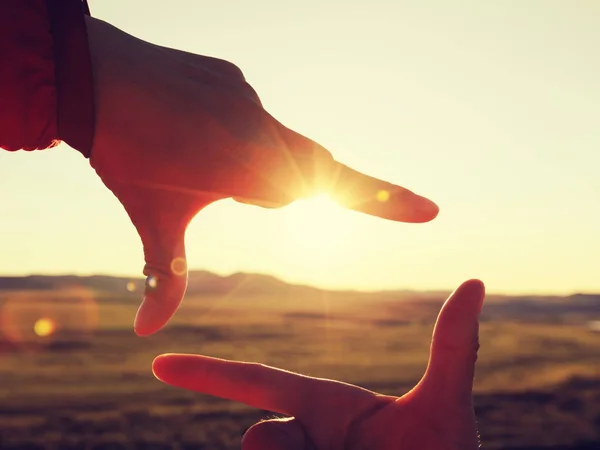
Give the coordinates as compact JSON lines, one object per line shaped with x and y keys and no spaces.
{"x":320,"y":225}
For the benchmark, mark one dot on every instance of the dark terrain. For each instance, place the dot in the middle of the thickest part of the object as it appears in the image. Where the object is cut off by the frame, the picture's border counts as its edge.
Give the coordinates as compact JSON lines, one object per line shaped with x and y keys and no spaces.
{"x":87,"y":383}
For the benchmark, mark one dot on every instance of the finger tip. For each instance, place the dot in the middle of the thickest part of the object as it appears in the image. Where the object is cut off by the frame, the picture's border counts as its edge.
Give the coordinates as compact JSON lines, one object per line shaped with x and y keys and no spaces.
{"x":161,"y":365}
{"x":475,"y":286}
{"x":147,"y":322}
{"x":158,"y":366}
{"x":427,"y":210}
{"x":275,"y":434}
{"x":178,"y":369}
{"x":160,"y":303}
{"x":472,"y":291}
{"x":411,"y":209}
{"x":141,"y":331}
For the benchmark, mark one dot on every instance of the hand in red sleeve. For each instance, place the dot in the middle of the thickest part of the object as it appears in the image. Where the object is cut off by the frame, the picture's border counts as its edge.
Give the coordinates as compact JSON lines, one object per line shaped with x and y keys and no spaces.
{"x":177,"y":131}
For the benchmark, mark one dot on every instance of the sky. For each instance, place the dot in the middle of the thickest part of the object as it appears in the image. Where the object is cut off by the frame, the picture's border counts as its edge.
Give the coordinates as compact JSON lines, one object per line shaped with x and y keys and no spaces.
{"x":491,"y":109}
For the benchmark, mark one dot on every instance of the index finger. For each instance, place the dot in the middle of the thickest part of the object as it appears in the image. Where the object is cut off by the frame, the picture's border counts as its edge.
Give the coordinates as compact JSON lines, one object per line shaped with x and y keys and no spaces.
{"x":353,"y":189}
{"x":360,"y":192}
{"x":257,"y":385}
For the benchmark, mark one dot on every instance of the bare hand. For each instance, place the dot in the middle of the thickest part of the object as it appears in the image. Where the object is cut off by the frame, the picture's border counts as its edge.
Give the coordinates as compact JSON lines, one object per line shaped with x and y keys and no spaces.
{"x":329,"y":415}
{"x":177,"y":131}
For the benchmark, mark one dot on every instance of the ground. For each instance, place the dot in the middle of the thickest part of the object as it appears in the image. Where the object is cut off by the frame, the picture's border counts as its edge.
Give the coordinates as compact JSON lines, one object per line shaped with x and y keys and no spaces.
{"x":88,"y":385}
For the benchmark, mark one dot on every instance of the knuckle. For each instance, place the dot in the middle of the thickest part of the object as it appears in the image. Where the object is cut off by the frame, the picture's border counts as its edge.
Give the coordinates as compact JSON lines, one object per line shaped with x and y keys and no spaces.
{"x":269,"y":433}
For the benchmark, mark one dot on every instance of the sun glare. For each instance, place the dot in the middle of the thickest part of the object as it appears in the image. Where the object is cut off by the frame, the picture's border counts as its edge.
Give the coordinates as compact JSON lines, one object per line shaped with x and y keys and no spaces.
{"x":319,"y":225}
{"x":44,"y":327}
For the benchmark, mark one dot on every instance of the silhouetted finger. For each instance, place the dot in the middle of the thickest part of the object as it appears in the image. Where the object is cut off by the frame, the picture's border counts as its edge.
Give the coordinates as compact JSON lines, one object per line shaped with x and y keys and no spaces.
{"x":311,"y":169}
{"x":259,"y":386}
{"x":263,"y":203}
{"x":455,"y":341}
{"x":353,"y":189}
{"x":276,"y":434}
{"x":369,"y":195}
{"x":161,"y":218}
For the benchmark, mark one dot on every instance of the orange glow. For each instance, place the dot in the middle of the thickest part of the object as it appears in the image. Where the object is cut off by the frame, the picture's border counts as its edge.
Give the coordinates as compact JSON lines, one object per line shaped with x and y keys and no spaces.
{"x":383,"y":196}
{"x":179,"y":266}
{"x":44,"y":327}
{"x":31,"y":320}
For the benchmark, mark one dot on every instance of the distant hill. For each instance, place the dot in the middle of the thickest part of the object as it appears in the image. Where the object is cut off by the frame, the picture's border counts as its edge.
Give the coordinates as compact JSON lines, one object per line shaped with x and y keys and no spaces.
{"x":544,"y":307}
{"x":204,"y":283}
{"x":51,"y":282}
{"x":200,"y":282}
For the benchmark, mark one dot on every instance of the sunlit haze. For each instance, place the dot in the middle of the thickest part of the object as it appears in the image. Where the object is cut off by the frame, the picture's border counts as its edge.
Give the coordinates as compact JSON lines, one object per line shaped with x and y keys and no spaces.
{"x":491,"y":109}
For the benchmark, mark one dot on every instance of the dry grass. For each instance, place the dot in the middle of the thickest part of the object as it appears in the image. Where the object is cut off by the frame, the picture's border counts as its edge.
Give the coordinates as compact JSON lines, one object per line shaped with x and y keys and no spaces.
{"x":89,"y":385}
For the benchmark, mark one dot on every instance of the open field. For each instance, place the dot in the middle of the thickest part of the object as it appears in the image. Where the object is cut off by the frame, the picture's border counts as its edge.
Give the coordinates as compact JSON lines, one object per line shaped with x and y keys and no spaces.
{"x":88,"y":384}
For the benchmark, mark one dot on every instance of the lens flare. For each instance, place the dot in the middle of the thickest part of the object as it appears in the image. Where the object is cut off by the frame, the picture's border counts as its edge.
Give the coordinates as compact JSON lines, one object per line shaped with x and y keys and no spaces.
{"x":44,"y":327}
{"x":151,"y":282}
{"x":318,"y":231}
{"x":383,"y":196}
{"x":131,"y":286}
{"x":33,"y":321}
{"x":179,"y":267}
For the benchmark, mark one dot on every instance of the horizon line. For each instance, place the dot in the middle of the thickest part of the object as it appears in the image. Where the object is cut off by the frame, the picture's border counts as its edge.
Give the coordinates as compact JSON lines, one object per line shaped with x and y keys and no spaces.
{"x":315,"y":286}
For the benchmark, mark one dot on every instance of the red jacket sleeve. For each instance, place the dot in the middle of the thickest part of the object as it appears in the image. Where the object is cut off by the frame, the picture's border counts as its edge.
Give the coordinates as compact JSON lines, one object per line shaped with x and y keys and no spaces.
{"x":28,"y":98}
{"x":46,"y":80}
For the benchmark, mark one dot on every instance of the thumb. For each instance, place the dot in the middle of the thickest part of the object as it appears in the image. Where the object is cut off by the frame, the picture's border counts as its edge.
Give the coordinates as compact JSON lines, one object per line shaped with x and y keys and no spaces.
{"x":455,"y":343}
{"x":276,"y":434}
{"x":161,"y":219}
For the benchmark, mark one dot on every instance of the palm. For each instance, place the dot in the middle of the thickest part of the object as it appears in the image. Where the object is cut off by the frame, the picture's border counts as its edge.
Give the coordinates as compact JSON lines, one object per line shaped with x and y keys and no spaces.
{"x":330,"y":415}
{"x":393,"y":423}
{"x":413,"y":421}
{"x":177,"y":131}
